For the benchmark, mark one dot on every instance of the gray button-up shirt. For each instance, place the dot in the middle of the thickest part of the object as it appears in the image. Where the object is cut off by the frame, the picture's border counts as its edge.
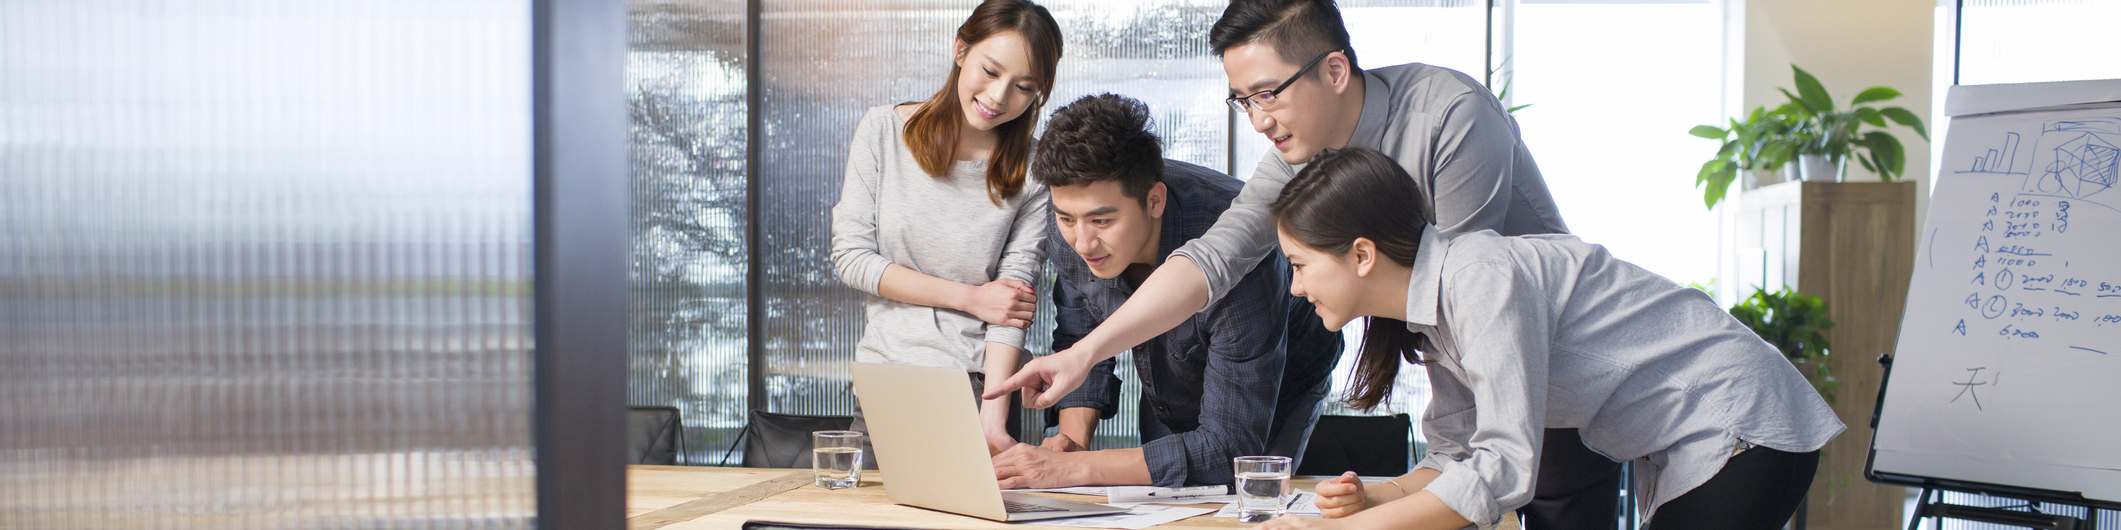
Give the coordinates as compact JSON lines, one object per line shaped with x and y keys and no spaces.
{"x":1446,"y":130}
{"x":1536,"y":332}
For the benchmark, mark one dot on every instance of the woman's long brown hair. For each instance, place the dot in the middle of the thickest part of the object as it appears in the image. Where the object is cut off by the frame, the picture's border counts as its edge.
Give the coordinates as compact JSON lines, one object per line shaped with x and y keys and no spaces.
{"x":932,"y":131}
{"x":1346,"y":194}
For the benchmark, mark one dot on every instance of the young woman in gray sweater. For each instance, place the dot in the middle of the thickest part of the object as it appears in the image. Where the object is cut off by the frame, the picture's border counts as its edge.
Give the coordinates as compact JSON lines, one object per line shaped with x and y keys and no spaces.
{"x":936,"y":220}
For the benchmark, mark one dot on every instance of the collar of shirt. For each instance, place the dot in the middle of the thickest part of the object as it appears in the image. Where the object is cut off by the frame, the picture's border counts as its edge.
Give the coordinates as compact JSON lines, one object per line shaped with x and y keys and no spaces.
{"x":1376,"y":109}
{"x":1425,"y":284}
{"x":1172,"y":234}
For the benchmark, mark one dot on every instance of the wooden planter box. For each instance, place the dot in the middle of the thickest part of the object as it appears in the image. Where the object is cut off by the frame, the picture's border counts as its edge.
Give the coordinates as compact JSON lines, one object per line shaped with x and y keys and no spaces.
{"x":1851,"y":244}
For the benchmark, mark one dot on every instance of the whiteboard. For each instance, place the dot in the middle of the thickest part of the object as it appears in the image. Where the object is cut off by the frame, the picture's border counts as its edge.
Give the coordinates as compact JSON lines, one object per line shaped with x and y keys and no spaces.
{"x":2008,"y":367}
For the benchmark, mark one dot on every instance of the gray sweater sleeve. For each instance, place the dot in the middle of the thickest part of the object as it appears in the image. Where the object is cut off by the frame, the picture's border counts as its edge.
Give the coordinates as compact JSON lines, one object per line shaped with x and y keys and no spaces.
{"x":1244,"y":233}
{"x":1024,"y":257}
{"x":855,"y":254}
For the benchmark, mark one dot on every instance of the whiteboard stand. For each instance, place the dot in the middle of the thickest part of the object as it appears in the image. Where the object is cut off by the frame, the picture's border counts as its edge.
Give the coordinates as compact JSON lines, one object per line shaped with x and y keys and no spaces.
{"x":1928,"y":507}
{"x":2016,"y":279}
{"x":1930,"y":504}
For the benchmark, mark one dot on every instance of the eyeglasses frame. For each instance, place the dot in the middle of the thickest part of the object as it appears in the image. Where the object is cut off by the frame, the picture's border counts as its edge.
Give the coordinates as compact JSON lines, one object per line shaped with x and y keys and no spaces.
{"x":1246,"y":103}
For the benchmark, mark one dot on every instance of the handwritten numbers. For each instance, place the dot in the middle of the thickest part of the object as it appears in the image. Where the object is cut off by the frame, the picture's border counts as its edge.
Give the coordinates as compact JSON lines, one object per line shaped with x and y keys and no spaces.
{"x":2061,"y":223}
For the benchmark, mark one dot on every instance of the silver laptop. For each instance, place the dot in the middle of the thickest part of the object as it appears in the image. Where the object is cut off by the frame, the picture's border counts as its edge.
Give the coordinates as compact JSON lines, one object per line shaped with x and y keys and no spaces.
{"x":925,"y":426}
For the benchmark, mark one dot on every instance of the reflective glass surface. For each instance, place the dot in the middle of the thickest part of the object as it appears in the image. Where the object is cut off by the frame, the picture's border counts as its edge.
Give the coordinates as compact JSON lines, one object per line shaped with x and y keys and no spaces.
{"x":265,"y":265}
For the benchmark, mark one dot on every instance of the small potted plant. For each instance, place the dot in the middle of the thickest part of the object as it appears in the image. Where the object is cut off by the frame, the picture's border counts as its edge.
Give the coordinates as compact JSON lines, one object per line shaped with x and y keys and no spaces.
{"x":1758,"y":145}
{"x":1827,"y":136}
{"x":1795,"y":324}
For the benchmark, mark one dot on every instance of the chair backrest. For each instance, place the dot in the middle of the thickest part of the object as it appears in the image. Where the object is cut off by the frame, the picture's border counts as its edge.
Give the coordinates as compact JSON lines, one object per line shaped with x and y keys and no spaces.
{"x":783,"y":440}
{"x":652,"y":435}
{"x":1371,"y":446}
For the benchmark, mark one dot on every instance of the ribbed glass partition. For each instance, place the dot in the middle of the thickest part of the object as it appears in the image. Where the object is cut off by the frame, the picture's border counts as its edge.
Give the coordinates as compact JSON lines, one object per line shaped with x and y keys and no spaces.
{"x":265,"y":264}
{"x":685,"y":74}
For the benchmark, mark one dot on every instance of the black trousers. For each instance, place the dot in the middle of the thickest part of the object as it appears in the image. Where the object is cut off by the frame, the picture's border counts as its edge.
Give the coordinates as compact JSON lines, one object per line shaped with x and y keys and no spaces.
{"x":1757,"y":490}
{"x":1577,"y":489}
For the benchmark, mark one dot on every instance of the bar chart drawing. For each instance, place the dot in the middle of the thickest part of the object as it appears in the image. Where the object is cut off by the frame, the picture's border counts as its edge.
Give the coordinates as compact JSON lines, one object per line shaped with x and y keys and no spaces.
{"x":1998,"y":160}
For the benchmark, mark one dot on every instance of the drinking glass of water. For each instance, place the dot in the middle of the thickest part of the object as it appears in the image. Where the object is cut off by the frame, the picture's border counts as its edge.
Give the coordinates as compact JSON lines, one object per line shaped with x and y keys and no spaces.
{"x":1262,"y":487}
{"x":836,"y":458}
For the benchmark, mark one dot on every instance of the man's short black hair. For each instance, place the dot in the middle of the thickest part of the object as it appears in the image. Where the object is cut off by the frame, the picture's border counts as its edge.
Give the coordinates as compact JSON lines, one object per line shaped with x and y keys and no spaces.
{"x":1100,"y":138}
{"x":1299,"y":30}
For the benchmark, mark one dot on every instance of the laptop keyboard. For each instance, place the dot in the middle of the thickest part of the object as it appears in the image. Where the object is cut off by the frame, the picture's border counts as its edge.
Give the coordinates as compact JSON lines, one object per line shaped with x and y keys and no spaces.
{"x":1020,"y":507}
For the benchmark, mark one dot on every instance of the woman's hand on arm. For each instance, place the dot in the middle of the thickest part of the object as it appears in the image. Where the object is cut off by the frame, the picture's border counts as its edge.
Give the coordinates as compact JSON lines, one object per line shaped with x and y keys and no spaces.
{"x":1004,"y":302}
{"x":1172,"y":294}
{"x":1000,"y":302}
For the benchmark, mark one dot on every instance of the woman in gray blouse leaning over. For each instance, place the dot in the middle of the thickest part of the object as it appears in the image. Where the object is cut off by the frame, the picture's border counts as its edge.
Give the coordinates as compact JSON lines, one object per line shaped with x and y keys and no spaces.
{"x":1528,"y":333}
{"x":936,"y":220}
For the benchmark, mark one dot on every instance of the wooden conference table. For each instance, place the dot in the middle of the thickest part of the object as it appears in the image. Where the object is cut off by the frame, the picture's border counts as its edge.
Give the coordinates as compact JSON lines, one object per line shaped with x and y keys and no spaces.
{"x":722,"y":498}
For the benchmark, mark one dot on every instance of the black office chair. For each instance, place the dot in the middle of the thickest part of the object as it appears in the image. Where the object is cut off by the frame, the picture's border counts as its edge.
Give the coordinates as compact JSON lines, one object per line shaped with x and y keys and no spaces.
{"x":783,"y":440}
{"x":1371,"y":446}
{"x":654,"y":435}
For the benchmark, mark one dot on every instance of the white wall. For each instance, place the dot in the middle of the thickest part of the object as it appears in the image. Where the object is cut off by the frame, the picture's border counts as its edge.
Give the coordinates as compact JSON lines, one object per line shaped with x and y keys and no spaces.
{"x":1849,"y":45}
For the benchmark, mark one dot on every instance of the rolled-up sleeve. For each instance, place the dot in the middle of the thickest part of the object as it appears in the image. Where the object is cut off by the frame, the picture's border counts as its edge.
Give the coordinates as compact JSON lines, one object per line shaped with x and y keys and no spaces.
{"x":1246,"y":355}
{"x":1488,"y":417}
{"x":1099,"y":391}
{"x":1242,"y":235}
{"x":1023,"y":257}
{"x":854,"y":244}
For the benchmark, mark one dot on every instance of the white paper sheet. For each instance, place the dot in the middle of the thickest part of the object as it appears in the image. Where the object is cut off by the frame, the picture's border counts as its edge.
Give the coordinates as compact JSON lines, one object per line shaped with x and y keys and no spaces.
{"x":1137,"y":495}
{"x":1076,"y":490}
{"x":1133,"y":495}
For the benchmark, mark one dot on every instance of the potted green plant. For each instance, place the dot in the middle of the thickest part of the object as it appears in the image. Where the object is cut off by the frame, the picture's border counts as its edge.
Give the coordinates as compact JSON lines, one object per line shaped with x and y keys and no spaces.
{"x":1827,"y":135}
{"x":1761,"y":143}
{"x":1811,"y":132}
{"x":1796,"y":324}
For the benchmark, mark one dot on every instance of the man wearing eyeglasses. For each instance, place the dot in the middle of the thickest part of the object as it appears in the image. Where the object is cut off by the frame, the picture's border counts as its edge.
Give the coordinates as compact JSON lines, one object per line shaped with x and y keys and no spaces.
{"x":1293,"y":74}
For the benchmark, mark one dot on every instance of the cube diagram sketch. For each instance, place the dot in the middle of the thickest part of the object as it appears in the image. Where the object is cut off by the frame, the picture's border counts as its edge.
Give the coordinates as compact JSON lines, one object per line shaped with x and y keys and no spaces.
{"x":2083,"y":166}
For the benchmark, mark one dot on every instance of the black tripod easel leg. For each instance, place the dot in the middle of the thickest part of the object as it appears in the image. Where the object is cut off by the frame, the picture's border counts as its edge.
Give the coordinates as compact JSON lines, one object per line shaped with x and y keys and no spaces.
{"x":1922,"y":505}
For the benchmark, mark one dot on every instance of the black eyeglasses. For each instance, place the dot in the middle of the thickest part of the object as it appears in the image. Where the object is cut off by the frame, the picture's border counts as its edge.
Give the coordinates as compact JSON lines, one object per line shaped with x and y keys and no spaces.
{"x":1265,"y":99}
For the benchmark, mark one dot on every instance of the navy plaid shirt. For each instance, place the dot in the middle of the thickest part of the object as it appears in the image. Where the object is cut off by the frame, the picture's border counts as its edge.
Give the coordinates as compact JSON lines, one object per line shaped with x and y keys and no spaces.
{"x":1226,"y":383}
